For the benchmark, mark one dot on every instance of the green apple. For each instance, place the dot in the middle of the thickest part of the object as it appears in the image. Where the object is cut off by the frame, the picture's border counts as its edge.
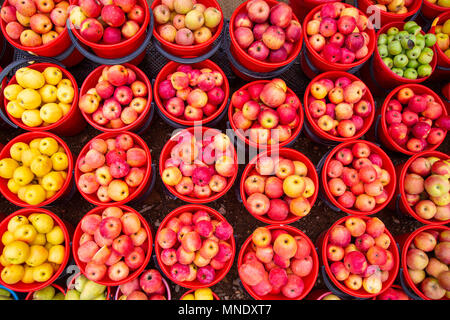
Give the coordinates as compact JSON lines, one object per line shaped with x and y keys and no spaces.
{"x":398,"y":71}
{"x":424,"y":70}
{"x":407,"y":43}
{"x":383,"y":51}
{"x":420,"y":41}
{"x":80,"y":282}
{"x":413,"y":63}
{"x":400,"y":61}
{"x":394,"y":48}
{"x":430,"y":39}
{"x":413,"y":53}
{"x":388,"y":62}
{"x":44,"y":294}
{"x":382,"y":39}
{"x":426,"y":56}
{"x":415,"y":30}
{"x":409,"y":24}
{"x":410,"y":73}
{"x":392,"y":31}
{"x":72,"y":294}
{"x":92,"y":290}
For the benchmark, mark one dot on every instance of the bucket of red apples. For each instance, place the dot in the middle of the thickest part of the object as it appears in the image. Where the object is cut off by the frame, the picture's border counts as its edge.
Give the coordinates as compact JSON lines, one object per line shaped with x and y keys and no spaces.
{"x":112,"y":245}
{"x":360,"y":256}
{"x":188,"y":95}
{"x":187,"y":28}
{"x":266,"y":114}
{"x":423,"y":187}
{"x":338,"y":37}
{"x":195,"y":246}
{"x":395,"y":292}
{"x":198,"y":165}
{"x":339,"y":107}
{"x":265,"y":36}
{"x":391,"y":11}
{"x":279,"y":187}
{"x":39,"y":27}
{"x":413,"y":119}
{"x":111,"y":29}
{"x":117,"y":98}
{"x":358,"y":178}
{"x":114,"y":168}
{"x":278,"y":263}
{"x":150,"y":285}
{"x":425,"y":263}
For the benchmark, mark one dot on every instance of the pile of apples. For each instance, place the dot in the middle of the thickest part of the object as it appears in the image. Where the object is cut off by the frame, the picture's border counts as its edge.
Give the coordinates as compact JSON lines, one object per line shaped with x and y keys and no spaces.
{"x":441,"y":3}
{"x":35,"y":171}
{"x":112,"y":245}
{"x":427,"y":188}
{"x":337,"y":33}
{"x":112,"y":169}
{"x":338,"y":107}
{"x":107,"y":22}
{"x":416,"y":121}
{"x":394,"y":6}
{"x":33,"y":250}
{"x":278,"y":187}
{"x":118,"y":98}
{"x":85,"y":289}
{"x":428,"y":260}
{"x":358,"y":254}
{"x":276,"y":262}
{"x":200,"y":168}
{"x":34,"y":22}
{"x":39,"y":98}
{"x":200,"y":294}
{"x":356,"y":178}
{"x":265,"y":33}
{"x":194,"y":246}
{"x":266,"y":112}
{"x":408,"y":53}
{"x":149,"y":286}
{"x":443,"y":37}
{"x":186,"y":22}
{"x":192,"y":94}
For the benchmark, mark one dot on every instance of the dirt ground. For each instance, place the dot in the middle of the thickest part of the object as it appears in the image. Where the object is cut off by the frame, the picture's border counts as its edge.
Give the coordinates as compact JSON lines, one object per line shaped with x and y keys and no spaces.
{"x":158,"y":204}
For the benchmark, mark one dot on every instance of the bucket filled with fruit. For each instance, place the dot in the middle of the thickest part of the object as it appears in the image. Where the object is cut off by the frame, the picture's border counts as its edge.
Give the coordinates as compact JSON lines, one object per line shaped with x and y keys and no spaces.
{"x":413,"y":119}
{"x":117,"y":98}
{"x":357,"y":178}
{"x":188,"y":95}
{"x":81,"y":288}
{"x":187,"y":31}
{"x":278,"y":263}
{"x":266,"y":38}
{"x":35,"y":249}
{"x":360,"y":257}
{"x":441,"y":28}
{"x":36,"y":170}
{"x":433,"y":8}
{"x":150,"y":285}
{"x":39,"y":27}
{"x":339,"y":107}
{"x":423,"y":188}
{"x":51,"y":292}
{"x":43,"y":97}
{"x":115,"y":31}
{"x":114,"y":168}
{"x":200,"y":294}
{"x":391,"y":10}
{"x":338,"y":37}
{"x":425,"y":263}
{"x":195,"y":246}
{"x":266,"y":114}
{"x":279,"y":187}
{"x":112,"y":245}
{"x":198,"y":165}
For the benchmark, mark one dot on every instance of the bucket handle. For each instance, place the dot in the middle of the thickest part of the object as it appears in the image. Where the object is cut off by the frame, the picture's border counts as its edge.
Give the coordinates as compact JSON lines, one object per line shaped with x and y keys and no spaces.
{"x":406,"y":288}
{"x":15,"y":64}
{"x":114,"y":61}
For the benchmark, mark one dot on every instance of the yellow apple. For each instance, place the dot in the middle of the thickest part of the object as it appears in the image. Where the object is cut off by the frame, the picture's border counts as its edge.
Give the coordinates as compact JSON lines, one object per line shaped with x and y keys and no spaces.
{"x":38,"y":255}
{"x":56,"y":254}
{"x":14,"y":109}
{"x":41,"y":165}
{"x":31,"y":118}
{"x":3,"y":261}
{"x":12,"y":274}
{"x":23,"y":176}
{"x":30,"y":78}
{"x":48,"y":146}
{"x":13,"y":186}
{"x":34,"y":195}
{"x":40,"y":240}
{"x":43,"y":223}
{"x":64,"y":82}
{"x":17,"y":149}
{"x":12,"y":91}
{"x":16,"y":222}
{"x":34,"y":144}
{"x":203,"y":294}
{"x":65,"y":107}
{"x":60,"y":161}
{"x":21,"y":193}
{"x":43,"y":272}
{"x":52,"y":181}
{"x":16,"y":252}
{"x":65,"y":94}
{"x":26,"y":233}
{"x":29,"y":99}
{"x":51,"y":113}
{"x":7,"y":167}
{"x":7,"y":237}
{"x":28,"y":275}
{"x":52,"y":75}
{"x":55,"y":236}
{"x":29,"y":155}
{"x":48,"y":93}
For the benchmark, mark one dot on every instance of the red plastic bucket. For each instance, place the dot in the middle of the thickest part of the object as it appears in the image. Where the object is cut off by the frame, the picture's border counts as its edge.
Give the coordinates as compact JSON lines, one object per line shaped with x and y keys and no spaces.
{"x":252,"y":64}
{"x":216,"y":297}
{"x":69,"y":125}
{"x":361,"y":293}
{"x":313,"y":64}
{"x":302,"y":7}
{"x":383,"y":130}
{"x":309,"y":280}
{"x":202,"y":132}
{"x":402,"y":203}
{"x":388,"y":17}
{"x":133,"y":192}
{"x":405,"y":241}
{"x":27,"y":138}
{"x":143,"y":118}
{"x":244,"y":137}
{"x":220,"y":274}
{"x":54,"y":285}
{"x":443,"y":62}
{"x":29,"y":287}
{"x":316,"y":130}
{"x":164,"y":281}
{"x":430,"y":10}
{"x":147,"y":247}
{"x":123,"y":48}
{"x":52,"y":49}
{"x":170,"y":68}
{"x":289,"y":154}
{"x":71,"y":285}
{"x":387,"y":165}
